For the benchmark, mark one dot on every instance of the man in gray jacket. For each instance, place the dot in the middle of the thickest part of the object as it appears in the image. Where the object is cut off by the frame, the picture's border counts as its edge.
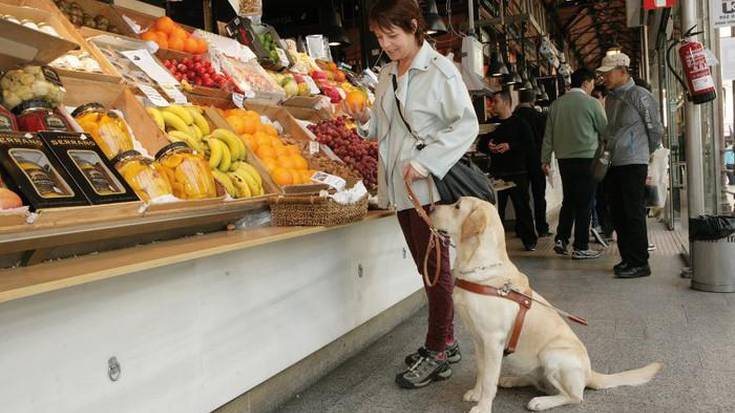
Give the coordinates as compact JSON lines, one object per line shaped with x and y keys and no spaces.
{"x":633,"y":133}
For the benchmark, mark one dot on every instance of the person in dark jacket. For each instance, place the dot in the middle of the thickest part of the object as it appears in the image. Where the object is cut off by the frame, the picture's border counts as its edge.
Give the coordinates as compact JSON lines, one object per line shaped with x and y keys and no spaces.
{"x":536,"y":177}
{"x":509,"y":146}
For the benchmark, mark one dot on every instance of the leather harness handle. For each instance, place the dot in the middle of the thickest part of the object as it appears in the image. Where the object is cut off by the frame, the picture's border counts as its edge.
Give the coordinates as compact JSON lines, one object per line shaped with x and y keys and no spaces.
{"x":434,"y":241}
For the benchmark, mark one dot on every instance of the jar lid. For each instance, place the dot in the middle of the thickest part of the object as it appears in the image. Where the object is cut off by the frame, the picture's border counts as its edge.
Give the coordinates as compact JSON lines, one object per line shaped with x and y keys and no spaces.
{"x":170,"y":147}
{"x":88,"y":107}
{"x":124,"y":155}
{"x":32,"y":104}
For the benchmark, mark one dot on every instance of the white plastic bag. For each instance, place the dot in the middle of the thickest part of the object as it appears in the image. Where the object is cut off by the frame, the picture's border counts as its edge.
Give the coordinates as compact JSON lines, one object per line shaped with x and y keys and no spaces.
{"x":657,"y":181}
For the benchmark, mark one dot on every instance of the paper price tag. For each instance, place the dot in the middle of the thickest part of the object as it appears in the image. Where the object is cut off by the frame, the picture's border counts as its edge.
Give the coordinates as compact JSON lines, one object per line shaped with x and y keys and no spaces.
{"x":333,"y":181}
{"x":174,"y":93}
{"x":342,"y":93}
{"x":238,"y":99}
{"x":282,"y":57}
{"x":313,"y":88}
{"x":153,"y":95}
{"x":313,"y":148}
{"x":146,"y":63}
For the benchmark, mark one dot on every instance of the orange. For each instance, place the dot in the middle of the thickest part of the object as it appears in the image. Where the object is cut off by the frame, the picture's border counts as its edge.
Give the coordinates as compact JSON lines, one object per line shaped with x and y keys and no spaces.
{"x":265,"y":152}
{"x":286,"y":162}
{"x":176,"y":43}
{"x":276,"y":142}
{"x":270,"y":130}
{"x":282,"y":176}
{"x":356,"y":100}
{"x":236,"y":123}
{"x":293,"y":150}
{"x":306,"y":176}
{"x":164,"y":24}
{"x":191,"y":45}
{"x":300,"y":162}
{"x":203,"y":47}
{"x":281,"y":151}
{"x":149,"y":36}
{"x":250,"y":125}
{"x":263,"y":141}
{"x":162,"y":41}
{"x":269,"y":164}
{"x":179,"y":32}
{"x":249,"y":142}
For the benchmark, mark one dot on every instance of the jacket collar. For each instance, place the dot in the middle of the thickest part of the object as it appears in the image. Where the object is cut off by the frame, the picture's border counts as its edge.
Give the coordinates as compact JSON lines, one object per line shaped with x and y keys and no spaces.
{"x":577,"y":90}
{"x":421,"y":61}
{"x":627,"y":86}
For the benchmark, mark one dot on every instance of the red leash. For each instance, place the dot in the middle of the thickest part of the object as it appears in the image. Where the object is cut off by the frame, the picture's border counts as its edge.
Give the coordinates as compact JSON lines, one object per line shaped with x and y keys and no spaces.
{"x":435,"y":239}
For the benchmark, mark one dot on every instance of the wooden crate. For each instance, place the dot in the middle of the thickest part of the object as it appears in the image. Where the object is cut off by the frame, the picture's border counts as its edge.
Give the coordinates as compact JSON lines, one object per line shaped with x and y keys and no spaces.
{"x":81,"y":91}
{"x":69,"y":32}
{"x":168,"y":54}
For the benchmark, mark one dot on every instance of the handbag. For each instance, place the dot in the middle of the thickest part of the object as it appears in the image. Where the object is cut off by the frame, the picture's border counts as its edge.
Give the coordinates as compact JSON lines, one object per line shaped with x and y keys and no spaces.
{"x":464,"y":177}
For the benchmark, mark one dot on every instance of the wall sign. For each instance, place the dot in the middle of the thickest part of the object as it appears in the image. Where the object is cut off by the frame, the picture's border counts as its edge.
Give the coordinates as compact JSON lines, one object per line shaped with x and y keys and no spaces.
{"x":722,"y":13}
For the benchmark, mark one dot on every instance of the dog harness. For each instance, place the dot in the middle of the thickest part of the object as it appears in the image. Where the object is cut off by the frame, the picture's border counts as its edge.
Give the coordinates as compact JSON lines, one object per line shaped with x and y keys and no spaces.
{"x":523,"y":300}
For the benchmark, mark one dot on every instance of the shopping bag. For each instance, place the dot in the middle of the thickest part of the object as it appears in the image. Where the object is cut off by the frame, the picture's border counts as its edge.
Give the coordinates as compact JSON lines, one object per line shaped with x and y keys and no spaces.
{"x":657,"y":179}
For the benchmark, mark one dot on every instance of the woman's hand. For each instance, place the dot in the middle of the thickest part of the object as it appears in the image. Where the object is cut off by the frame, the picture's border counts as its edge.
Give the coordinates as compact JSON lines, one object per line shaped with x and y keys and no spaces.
{"x":410,"y":174}
{"x":360,"y":114}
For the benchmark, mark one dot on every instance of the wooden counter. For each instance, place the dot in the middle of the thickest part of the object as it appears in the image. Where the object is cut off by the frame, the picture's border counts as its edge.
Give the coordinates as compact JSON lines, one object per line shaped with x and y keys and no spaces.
{"x":56,"y":275}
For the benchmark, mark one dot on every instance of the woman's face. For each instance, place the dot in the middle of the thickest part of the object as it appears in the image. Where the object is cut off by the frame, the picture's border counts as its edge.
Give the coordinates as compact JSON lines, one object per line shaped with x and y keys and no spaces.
{"x":395,"y":42}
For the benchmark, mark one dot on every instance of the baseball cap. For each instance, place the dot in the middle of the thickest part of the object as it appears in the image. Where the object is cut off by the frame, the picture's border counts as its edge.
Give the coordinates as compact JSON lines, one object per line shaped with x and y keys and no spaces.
{"x":611,"y":62}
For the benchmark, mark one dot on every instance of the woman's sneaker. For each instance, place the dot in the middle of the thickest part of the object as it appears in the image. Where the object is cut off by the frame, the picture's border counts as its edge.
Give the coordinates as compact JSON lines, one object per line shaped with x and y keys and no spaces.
{"x":452,"y":352}
{"x":427,"y":368}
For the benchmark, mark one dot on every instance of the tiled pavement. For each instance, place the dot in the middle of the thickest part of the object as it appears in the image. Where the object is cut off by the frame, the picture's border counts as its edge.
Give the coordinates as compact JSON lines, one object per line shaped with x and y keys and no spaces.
{"x":632,"y":322}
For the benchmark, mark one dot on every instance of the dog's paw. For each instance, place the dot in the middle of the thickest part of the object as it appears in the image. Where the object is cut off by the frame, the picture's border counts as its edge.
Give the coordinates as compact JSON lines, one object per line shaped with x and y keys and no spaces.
{"x":472,"y":395}
{"x":480,"y":409}
{"x":507,"y":382}
{"x":536,"y":405}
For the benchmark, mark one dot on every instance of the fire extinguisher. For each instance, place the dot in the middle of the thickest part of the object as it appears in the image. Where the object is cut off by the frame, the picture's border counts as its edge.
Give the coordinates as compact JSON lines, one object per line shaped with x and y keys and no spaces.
{"x":700,"y":85}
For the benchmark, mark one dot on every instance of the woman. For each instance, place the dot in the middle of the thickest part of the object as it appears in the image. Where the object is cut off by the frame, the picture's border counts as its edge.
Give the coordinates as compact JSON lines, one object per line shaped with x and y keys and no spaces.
{"x":437,"y":106}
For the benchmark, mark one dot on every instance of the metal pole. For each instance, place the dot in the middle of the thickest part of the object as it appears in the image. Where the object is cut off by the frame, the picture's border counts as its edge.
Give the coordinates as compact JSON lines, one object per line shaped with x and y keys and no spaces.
{"x":471,"y":16}
{"x":693,"y":132}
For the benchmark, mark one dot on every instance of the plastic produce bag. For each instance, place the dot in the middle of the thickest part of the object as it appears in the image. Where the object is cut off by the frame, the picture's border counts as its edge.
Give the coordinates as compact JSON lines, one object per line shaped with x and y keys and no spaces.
{"x":657,"y":181}
{"x":711,"y":227}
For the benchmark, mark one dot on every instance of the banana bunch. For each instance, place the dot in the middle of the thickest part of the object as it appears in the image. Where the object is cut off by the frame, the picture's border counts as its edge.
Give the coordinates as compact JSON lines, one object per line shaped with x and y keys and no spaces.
{"x":241,"y":181}
{"x":182,"y":124}
{"x":223,"y":148}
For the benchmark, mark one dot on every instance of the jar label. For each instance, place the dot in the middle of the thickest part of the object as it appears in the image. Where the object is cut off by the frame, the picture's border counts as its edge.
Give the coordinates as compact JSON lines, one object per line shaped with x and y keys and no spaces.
{"x":54,"y":122}
{"x":41,"y":174}
{"x":6,"y":123}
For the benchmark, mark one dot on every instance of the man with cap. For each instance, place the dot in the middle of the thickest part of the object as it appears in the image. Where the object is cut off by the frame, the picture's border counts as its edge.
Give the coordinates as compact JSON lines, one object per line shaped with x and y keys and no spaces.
{"x":633,"y":133}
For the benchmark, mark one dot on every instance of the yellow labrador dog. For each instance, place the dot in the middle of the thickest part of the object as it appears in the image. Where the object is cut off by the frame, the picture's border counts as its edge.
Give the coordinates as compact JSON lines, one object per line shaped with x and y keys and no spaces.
{"x":549,"y":355}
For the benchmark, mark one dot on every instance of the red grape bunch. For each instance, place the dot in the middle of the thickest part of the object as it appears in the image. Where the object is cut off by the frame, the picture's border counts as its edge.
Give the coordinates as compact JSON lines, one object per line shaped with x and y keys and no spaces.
{"x":360,"y":154}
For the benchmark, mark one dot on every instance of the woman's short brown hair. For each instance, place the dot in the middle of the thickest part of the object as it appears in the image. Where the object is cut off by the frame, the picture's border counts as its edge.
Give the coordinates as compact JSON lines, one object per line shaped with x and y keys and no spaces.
{"x":400,"y":13}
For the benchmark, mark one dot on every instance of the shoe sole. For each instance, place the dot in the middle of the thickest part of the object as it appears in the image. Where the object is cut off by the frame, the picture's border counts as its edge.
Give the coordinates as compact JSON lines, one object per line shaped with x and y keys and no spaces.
{"x":451,"y":359}
{"x":560,"y":251}
{"x":582,"y":258}
{"x":623,"y":277}
{"x":438,"y":376}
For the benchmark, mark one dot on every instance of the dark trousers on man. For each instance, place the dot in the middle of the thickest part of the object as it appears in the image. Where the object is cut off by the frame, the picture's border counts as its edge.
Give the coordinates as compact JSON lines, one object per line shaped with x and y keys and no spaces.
{"x":576,"y":208}
{"x":441,"y":307}
{"x":519,"y":195}
{"x":537,"y":180}
{"x":627,"y":189}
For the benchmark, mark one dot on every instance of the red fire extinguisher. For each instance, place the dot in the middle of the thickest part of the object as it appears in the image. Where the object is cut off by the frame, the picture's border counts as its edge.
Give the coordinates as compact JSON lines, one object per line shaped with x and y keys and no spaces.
{"x":700,"y":85}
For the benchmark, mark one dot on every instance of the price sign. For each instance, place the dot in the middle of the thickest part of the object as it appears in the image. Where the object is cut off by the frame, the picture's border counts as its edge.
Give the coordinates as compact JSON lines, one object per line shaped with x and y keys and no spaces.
{"x":313,"y":88}
{"x":333,"y":181}
{"x":153,"y":95}
{"x":282,"y":57}
{"x":174,"y":93}
{"x":313,"y":148}
{"x":238,"y":99}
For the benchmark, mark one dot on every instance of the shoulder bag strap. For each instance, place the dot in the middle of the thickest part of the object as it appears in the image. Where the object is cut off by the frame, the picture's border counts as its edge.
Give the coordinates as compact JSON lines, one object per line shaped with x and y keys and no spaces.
{"x":421,"y":145}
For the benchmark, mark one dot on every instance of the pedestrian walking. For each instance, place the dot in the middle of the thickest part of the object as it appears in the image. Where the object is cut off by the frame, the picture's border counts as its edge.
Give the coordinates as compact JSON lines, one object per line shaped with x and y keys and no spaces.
{"x":633,"y":133}
{"x":573,"y":130}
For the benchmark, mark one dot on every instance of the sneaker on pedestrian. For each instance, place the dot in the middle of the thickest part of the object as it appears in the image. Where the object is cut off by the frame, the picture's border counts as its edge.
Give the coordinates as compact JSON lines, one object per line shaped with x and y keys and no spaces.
{"x":634,"y":272}
{"x":651,"y":247}
{"x":544,"y":234}
{"x":561,"y":247}
{"x":530,"y":247}
{"x":452,"y":351}
{"x":587,"y":254}
{"x":428,"y":368}
{"x":598,"y":237}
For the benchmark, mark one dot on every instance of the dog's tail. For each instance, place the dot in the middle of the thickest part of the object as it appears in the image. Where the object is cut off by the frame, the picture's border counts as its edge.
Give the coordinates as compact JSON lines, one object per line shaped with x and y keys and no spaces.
{"x":636,"y":377}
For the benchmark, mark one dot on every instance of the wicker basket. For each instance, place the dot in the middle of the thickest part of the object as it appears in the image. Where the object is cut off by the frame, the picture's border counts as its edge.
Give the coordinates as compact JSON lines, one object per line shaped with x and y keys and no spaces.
{"x":315,"y":211}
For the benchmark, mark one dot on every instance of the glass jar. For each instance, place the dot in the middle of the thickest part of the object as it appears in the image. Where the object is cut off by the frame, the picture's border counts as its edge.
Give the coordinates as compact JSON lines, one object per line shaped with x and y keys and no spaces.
{"x":38,"y":115}
{"x":108,"y":130}
{"x":188,"y":173}
{"x":7,"y":121}
{"x":144,"y":175}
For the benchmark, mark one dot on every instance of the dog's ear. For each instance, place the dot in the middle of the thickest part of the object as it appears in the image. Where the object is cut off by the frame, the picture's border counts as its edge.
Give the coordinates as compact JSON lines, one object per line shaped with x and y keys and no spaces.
{"x":475,"y":223}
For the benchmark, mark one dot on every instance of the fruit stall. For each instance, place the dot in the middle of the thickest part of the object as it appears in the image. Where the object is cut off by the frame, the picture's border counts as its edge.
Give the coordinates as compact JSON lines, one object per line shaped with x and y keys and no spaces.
{"x":158,"y":182}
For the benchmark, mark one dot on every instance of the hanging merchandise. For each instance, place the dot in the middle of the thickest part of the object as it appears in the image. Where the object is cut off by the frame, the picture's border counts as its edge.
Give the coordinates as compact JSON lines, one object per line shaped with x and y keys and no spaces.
{"x":700,"y":85}
{"x":657,"y":180}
